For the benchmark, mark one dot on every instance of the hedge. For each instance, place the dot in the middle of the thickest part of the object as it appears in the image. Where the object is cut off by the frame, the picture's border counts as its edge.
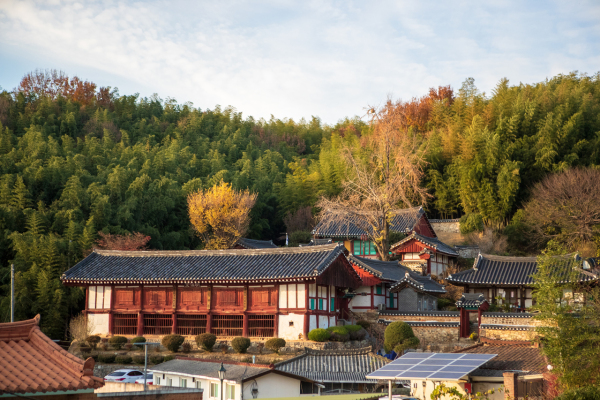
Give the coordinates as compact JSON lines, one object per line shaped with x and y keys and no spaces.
{"x":172,"y":342}
{"x":123,"y":359}
{"x":117,"y":341}
{"x":240,"y":344}
{"x":156,"y":358}
{"x":275,"y":344}
{"x":106,"y":358}
{"x":319,"y":335}
{"x":399,"y":333}
{"x":339,"y":333}
{"x":139,"y":360}
{"x":206,"y":341}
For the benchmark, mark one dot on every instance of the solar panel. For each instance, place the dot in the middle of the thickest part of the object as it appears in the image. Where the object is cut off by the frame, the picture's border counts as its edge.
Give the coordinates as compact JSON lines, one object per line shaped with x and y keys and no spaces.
{"x":446,"y":366}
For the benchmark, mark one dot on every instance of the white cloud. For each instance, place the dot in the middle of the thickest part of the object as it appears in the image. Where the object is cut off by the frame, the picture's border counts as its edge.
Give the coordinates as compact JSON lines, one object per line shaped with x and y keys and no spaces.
{"x":297,"y":59}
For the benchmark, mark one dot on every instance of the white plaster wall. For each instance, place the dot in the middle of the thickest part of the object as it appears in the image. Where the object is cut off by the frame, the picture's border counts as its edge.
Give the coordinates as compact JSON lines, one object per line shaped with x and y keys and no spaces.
{"x":331,"y":321}
{"x":359,"y":300}
{"x":301,"y":295}
{"x":292,"y":295}
{"x":91,"y":297}
{"x":312,"y":322}
{"x":288,"y":332}
{"x":204,"y":384}
{"x":100,"y":297}
{"x":99,"y":322}
{"x":312,"y":290}
{"x":282,"y":296}
{"x":272,"y":385}
{"x":107,"y":296}
{"x":323,"y":322}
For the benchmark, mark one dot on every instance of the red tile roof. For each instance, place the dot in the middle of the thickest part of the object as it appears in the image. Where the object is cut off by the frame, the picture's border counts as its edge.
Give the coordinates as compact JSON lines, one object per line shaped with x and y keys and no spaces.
{"x":30,"y":362}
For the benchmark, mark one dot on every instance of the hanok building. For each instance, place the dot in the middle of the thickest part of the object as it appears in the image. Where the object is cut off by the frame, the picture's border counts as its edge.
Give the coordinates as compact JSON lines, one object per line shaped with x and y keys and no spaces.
{"x":283,"y":292}
{"x":392,"y":286}
{"x":334,"y":369}
{"x":33,"y":365}
{"x":253,"y":244}
{"x":425,"y":255}
{"x":510,"y":279}
{"x":355,"y":239}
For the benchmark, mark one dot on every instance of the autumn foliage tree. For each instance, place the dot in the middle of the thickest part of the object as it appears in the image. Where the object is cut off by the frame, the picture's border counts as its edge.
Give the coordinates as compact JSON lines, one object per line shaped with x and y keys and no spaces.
{"x":220,"y":215}
{"x":385,"y":173}
{"x":130,"y":242}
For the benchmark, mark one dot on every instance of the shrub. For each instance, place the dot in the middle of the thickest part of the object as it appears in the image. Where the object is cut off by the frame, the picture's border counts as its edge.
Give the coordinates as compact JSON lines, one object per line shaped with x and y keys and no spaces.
{"x":172,"y":342}
{"x":156,"y":358}
{"x":93,"y":341}
{"x":474,"y":336}
{"x":365,"y":324}
{"x":240,"y":344}
{"x":591,"y":392}
{"x":443,"y":303}
{"x":138,"y":360}
{"x":186,"y":347}
{"x":85,"y":349}
{"x":410,"y":343}
{"x":275,"y":344}
{"x":356,"y":332}
{"x":106,"y":358}
{"x":169,"y":357}
{"x":138,"y":339}
{"x":206,"y":341}
{"x":104,"y":346}
{"x":471,"y":223}
{"x":117,"y":341}
{"x":339,"y":333}
{"x":398,"y":333}
{"x":127,"y":346}
{"x":319,"y":335}
{"x":94,"y":356}
{"x":123,"y":359}
{"x":260,"y":347}
{"x":224,"y":348}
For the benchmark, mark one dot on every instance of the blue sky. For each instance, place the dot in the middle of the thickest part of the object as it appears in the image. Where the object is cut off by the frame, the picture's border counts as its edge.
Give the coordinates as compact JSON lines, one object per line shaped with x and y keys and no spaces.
{"x":329,"y":59}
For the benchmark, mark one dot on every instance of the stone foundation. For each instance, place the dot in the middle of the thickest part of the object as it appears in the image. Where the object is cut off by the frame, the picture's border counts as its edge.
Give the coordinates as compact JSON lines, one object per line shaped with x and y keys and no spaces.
{"x":508,"y":334}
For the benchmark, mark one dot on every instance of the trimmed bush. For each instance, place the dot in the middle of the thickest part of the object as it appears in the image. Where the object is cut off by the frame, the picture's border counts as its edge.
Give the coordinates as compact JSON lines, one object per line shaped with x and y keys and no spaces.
{"x":339,"y":333}
{"x":138,"y":360}
{"x":172,"y":342}
{"x":364,"y":324}
{"x":471,"y":223}
{"x":123,"y":359}
{"x":117,"y":342}
{"x":399,"y":334}
{"x":319,"y":335}
{"x":156,"y":358}
{"x":240,"y":344}
{"x":93,"y":341}
{"x":138,"y":339}
{"x":94,"y":356}
{"x":206,"y":341}
{"x":356,"y":332}
{"x":275,"y":344}
{"x":127,"y":346}
{"x":474,"y":336}
{"x":186,"y":347}
{"x":106,"y":358}
{"x":169,"y":358}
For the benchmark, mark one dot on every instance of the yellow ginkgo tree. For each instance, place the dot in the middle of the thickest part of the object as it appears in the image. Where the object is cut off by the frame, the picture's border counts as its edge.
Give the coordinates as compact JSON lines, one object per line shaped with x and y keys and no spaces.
{"x":220,"y":215}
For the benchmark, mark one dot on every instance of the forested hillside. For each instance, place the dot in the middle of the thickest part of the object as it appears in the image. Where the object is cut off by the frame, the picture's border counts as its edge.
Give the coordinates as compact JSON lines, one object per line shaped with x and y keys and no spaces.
{"x":76,"y":159}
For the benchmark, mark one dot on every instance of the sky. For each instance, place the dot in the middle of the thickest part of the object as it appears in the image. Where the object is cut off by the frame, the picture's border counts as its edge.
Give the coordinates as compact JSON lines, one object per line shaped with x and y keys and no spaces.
{"x":298,"y":59}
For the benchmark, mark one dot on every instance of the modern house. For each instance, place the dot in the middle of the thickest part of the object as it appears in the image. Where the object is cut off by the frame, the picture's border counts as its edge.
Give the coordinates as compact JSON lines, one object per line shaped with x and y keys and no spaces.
{"x":33,"y":365}
{"x":510,"y":278}
{"x":274,"y":292}
{"x":390,"y":285}
{"x":241,"y":380}
{"x":334,"y":369}
{"x":355,"y":238}
{"x":425,"y":255}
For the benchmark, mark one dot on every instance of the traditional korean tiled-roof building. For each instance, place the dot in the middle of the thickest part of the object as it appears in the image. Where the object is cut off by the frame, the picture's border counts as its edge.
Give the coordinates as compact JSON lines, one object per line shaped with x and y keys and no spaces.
{"x":356,"y":240}
{"x":392,"y":285}
{"x":423,"y":254}
{"x":511,"y":278}
{"x":280,"y":292}
{"x":316,"y":242}
{"x":31,"y":364}
{"x":253,"y":244}
{"x":336,"y":369}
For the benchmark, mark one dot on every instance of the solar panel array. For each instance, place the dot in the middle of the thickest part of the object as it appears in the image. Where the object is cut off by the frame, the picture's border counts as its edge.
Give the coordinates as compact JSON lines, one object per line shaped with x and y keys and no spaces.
{"x":439,"y":366}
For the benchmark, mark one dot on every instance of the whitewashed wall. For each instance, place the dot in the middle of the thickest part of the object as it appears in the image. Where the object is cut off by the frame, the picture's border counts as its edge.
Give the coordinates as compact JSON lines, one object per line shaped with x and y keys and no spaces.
{"x":99,"y":322}
{"x":313,"y":322}
{"x":290,"y":332}
{"x":99,"y":297}
{"x":292,"y":295}
{"x":360,"y":300}
{"x":272,"y":385}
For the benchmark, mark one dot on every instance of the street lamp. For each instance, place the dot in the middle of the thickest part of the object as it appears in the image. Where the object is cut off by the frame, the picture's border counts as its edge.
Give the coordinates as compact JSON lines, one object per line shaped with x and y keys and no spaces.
{"x":221,"y":372}
{"x":146,"y":344}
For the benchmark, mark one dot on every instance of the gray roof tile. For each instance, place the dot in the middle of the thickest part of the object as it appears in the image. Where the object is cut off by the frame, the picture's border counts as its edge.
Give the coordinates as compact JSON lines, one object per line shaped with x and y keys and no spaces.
{"x":437,"y":244}
{"x":256,"y":244}
{"x":421,"y":283}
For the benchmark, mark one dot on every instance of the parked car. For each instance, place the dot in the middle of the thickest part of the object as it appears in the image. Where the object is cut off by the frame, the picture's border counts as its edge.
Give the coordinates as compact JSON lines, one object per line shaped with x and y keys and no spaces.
{"x":124,"y":375}
{"x":149,"y":379}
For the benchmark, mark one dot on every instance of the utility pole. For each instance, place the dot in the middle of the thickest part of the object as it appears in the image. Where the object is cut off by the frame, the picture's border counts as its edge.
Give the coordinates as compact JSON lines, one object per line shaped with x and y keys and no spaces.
{"x":12,"y":292}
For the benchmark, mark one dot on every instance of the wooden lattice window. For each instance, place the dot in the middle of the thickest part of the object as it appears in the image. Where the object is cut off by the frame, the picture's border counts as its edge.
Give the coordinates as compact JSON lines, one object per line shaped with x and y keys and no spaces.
{"x":262,"y":297}
{"x":125,"y":297}
{"x":125,"y":324}
{"x":191,"y":297}
{"x":157,"y":297}
{"x":191,"y":325}
{"x":261,"y":325}
{"x":228,"y":298}
{"x":227,"y":325}
{"x":157,"y":324}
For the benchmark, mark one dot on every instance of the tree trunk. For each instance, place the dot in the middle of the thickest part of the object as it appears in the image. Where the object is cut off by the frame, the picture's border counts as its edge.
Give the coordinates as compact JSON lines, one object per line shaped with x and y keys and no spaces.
{"x":385,"y":242}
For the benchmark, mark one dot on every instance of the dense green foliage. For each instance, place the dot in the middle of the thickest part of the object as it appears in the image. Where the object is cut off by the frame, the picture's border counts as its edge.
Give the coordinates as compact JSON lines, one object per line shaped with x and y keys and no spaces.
{"x":275,"y":344}
{"x":117,"y":341}
{"x":338,"y":333}
{"x":73,"y":166}
{"x":240,"y":344}
{"x":172,"y":342}
{"x":399,"y":336}
{"x":319,"y":335}
{"x":591,"y":392}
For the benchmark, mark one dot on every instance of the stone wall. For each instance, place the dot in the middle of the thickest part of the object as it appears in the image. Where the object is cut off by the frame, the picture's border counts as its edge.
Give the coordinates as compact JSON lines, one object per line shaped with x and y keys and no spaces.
{"x":497,"y":318}
{"x":435,"y":335}
{"x":507,"y":334}
{"x":445,"y":225}
{"x":438,"y":316}
{"x":467,"y":251}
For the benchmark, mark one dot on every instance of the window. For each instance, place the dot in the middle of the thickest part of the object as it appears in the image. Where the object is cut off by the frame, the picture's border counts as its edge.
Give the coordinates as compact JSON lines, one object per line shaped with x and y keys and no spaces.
{"x":230,"y":392}
{"x":391,"y":300}
{"x":378,"y":289}
{"x":214,"y":390}
{"x":320,"y":304}
{"x":312,"y":304}
{"x":169,"y":382}
{"x":158,"y":380}
{"x":357,"y":248}
{"x":198,"y":385}
{"x":135,"y":373}
{"x":332,"y":304}
{"x":183,"y":383}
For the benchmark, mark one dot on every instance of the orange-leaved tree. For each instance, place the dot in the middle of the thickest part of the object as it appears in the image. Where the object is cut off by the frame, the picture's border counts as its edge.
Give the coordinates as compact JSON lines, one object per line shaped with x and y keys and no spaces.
{"x":220,"y":215}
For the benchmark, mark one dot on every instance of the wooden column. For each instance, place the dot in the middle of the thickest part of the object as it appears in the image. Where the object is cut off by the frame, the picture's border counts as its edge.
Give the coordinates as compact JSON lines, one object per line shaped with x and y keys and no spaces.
{"x":208,"y":322}
{"x":276,"y":325}
{"x":173,"y":323}
{"x":87,"y":296}
{"x":110,"y":310}
{"x":140,"y":324}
